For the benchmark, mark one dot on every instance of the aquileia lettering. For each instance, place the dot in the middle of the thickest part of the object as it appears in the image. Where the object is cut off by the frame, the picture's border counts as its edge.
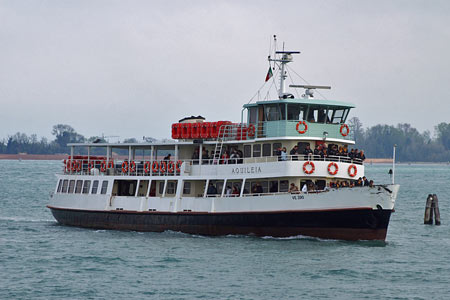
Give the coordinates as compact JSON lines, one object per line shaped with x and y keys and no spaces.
{"x":246,"y":170}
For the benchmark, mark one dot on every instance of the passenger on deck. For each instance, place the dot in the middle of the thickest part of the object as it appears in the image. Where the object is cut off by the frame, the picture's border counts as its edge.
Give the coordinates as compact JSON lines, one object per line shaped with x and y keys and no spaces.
{"x":167,"y":158}
{"x":195,"y":156}
{"x":365,"y":181}
{"x":307,"y":152}
{"x":257,"y":188}
{"x":205,"y":157}
{"x":293,"y":188}
{"x":235,"y":191}
{"x":317,"y":149}
{"x":371,"y":184}
{"x":212,"y":190}
{"x":240,"y":156}
{"x":228,"y":191}
{"x":362,"y":156}
{"x":305,"y":188}
{"x":224,"y":158}
{"x":294,"y":152}
{"x":234,"y":156}
{"x":283,"y":154}
{"x":279,"y":153}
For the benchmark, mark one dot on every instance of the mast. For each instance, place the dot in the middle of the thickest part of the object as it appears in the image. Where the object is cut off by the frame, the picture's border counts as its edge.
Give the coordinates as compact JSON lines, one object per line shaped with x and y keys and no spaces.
{"x":283,"y":57}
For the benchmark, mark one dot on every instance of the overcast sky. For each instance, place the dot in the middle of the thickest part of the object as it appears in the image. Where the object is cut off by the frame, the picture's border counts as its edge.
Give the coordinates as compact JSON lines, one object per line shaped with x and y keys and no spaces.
{"x":131,"y":68}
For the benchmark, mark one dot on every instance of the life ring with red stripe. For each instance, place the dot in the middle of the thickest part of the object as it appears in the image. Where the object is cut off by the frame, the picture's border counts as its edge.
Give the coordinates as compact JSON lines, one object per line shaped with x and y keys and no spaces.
{"x":111,"y":164}
{"x":170,"y":166}
{"x":91,"y":165}
{"x":147,"y":167}
{"x":155,"y":167}
{"x":347,"y":130}
{"x":125,"y":167}
{"x":132,"y":166}
{"x":305,"y":127}
{"x":178,"y":166}
{"x":163,"y":166}
{"x":251,"y":130}
{"x":79,"y":165}
{"x":336,"y":168}
{"x":305,"y":167}
{"x":352,"y":171}
{"x":103,"y":166}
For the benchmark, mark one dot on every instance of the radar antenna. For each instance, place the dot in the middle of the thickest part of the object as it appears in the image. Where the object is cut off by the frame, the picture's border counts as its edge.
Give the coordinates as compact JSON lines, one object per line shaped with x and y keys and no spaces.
{"x":309,"y":89}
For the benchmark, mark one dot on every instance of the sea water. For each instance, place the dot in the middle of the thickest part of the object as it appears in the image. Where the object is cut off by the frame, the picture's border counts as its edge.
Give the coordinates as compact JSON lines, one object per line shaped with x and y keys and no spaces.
{"x":40,"y":259}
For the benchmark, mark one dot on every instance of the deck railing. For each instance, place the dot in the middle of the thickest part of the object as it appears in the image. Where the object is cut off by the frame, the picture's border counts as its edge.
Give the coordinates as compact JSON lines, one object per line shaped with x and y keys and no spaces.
{"x":174,"y":168}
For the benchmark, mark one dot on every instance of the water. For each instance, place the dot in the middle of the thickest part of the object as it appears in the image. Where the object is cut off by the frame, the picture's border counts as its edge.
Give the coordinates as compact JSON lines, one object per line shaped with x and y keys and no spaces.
{"x":42,"y":260}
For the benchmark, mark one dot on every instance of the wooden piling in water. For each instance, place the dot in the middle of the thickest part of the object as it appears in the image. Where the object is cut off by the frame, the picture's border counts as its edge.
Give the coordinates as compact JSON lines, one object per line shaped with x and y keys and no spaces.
{"x":428,"y":218}
{"x":437,"y":214}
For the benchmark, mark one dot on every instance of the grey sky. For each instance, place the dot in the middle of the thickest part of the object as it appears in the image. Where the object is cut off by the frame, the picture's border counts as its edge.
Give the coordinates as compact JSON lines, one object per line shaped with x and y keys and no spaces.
{"x":131,"y":68}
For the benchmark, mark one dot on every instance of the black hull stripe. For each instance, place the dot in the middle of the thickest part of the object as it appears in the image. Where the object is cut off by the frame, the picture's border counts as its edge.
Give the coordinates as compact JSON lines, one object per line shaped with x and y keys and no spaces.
{"x":351,"y":224}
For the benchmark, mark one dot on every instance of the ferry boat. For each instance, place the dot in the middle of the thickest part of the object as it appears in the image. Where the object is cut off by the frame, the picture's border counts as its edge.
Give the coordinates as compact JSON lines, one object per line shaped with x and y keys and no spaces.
{"x":222,"y":178}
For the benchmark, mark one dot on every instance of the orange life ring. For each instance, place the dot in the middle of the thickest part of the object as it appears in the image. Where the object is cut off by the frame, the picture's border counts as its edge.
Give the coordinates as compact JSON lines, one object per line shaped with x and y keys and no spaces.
{"x":304,"y":124}
{"x":103,"y":166}
{"x":91,"y":165}
{"x":336,"y":168}
{"x":163,"y":166}
{"x":347,"y":130}
{"x":111,"y":164}
{"x":79,"y":165}
{"x":305,"y":170}
{"x":155,"y":167}
{"x":68,"y":164}
{"x":251,"y":130}
{"x":147,"y":167}
{"x":350,"y":173}
{"x":178,"y":166}
{"x":125,"y":167}
{"x":170,"y":166}
{"x":132,"y":166}
{"x":73,"y":165}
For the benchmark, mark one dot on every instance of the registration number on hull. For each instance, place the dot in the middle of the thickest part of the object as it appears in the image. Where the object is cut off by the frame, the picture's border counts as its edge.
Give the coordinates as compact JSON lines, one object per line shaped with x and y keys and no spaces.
{"x":298,"y":197}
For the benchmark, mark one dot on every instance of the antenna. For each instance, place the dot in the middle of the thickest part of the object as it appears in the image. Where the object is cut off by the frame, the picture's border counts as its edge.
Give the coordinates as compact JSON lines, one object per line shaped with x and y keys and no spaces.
{"x":283,"y":57}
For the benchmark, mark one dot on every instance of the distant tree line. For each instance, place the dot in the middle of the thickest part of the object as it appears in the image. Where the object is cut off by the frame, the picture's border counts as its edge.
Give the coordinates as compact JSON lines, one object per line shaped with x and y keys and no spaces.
{"x":412,"y":146}
{"x":377,"y":142}
{"x":64,"y":134}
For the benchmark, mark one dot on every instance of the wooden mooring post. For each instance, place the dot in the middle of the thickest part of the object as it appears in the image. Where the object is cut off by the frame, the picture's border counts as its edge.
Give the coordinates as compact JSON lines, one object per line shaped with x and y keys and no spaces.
{"x":432,"y":208}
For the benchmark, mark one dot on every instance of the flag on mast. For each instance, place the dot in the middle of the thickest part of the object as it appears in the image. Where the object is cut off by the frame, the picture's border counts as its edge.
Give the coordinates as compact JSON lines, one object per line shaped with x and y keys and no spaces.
{"x":269,"y":74}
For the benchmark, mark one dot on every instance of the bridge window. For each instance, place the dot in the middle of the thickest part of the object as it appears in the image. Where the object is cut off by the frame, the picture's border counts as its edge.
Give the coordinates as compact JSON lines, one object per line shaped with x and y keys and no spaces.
{"x":275,"y":112}
{"x":252,"y":115}
{"x":296,"y":112}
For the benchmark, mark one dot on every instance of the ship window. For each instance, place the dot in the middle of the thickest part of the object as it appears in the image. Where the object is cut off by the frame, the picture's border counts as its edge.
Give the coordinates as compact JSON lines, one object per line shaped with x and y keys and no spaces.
{"x":58,"y":190}
{"x":104,"y":187}
{"x":266,"y":149}
{"x":284,"y":186}
{"x":273,"y":186}
{"x":252,"y":115}
{"x":338,"y":116}
{"x":247,"y":151}
{"x":171,"y":187}
{"x":283,"y":111}
{"x":86,"y":186}
{"x":321,"y":115}
{"x":79,"y":186}
{"x":272,"y":112}
{"x":64,"y":187}
{"x":124,"y":187}
{"x":161,"y":187}
{"x":186,"y":188}
{"x":296,"y":112}
{"x":257,"y":150}
{"x":275,"y":148}
{"x":94,"y":187}
{"x":71,"y":186}
{"x":320,"y":184}
{"x":344,"y":118}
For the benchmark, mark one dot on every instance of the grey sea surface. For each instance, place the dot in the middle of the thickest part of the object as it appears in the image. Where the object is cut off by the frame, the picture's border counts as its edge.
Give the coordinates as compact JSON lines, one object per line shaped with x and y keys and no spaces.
{"x":40,"y":259}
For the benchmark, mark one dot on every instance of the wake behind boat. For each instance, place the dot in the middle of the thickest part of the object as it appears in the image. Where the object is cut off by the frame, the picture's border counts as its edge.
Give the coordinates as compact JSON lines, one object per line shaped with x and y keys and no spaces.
{"x":260,"y":176}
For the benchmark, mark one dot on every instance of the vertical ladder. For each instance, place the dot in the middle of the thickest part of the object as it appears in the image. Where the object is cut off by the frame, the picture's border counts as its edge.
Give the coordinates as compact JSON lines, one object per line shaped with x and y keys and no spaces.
{"x":223,"y":130}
